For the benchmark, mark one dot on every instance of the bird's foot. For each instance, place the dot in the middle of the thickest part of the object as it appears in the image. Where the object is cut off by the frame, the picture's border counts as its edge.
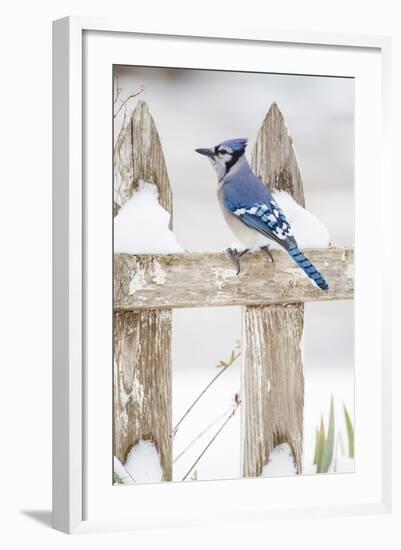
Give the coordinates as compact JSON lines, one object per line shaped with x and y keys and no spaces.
{"x":235,"y":256}
{"x":267,"y":250}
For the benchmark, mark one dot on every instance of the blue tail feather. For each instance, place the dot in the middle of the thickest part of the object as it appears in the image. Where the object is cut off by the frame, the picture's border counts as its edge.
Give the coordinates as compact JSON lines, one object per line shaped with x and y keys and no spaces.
{"x":299,"y":257}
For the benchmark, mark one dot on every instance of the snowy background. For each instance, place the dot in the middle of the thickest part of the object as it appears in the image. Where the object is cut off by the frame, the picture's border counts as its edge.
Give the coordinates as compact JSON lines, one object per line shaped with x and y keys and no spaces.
{"x":198,"y":109}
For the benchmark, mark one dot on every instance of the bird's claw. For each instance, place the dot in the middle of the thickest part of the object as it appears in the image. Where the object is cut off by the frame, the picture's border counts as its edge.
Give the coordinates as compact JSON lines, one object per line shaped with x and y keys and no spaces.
{"x":235,"y":257}
{"x":267,"y":250}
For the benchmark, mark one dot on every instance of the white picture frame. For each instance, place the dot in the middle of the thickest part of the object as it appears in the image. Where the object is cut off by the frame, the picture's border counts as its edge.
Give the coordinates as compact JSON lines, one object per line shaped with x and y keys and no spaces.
{"x":70,"y":260}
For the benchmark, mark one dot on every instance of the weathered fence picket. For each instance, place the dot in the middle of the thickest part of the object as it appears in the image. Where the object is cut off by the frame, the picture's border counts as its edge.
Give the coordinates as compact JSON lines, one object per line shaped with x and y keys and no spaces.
{"x":142,"y":383}
{"x":273,"y":392}
{"x":139,"y":156}
{"x":142,"y":339}
{"x":147,"y":287}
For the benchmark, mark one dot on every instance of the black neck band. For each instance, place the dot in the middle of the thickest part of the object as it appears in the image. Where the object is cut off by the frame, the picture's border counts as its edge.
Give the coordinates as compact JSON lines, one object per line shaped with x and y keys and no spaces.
{"x":235,"y":156}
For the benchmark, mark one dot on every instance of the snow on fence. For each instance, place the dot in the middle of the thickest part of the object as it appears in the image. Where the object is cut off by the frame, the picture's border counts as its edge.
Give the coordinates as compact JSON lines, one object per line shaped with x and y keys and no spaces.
{"x":147,"y":287}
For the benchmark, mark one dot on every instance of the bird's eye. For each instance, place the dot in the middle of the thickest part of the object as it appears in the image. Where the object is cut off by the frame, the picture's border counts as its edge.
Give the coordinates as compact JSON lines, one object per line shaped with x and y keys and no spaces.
{"x":223,"y":151}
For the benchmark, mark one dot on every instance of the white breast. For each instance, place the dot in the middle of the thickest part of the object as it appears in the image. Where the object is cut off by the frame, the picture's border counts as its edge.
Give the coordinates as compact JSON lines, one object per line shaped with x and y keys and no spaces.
{"x":246,"y":236}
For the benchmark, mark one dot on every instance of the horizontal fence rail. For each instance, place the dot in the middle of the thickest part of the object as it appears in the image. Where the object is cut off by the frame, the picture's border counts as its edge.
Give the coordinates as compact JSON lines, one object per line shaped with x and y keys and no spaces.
{"x":209,"y":279}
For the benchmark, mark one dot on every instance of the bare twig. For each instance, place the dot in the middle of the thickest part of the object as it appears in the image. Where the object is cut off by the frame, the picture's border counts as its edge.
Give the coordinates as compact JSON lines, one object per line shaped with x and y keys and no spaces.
{"x":202,"y":433}
{"x":118,"y":92}
{"x":124,"y":104}
{"x":232,"y":359}
{"x":127,"y":99}
{"x":213,"y":439}
{"x":120,"y":133}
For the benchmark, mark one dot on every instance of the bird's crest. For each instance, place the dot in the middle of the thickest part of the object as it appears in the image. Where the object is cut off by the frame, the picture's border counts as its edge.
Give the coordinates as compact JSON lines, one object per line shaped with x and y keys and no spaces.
{"x":236,"y":144}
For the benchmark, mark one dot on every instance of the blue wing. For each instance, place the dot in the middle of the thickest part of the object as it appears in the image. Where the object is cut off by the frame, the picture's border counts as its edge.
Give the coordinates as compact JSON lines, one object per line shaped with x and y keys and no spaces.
{"x":253,"y":204}
{"x":265,"y":217}
{"x":248,"y":199}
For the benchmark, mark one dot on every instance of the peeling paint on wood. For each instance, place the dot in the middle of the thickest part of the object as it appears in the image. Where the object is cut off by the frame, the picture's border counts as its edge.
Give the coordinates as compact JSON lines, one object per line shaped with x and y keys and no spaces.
{"x":273,"y":385}
{"x":142,"y":383}
{"x":274,"y":159}
{"x":139,"y":156}
{"x":221,"y":276}
{"x":273,"y":382}
{"x":350,"y":271}
{"x":143,"y":277}
{"x":208,"y":279}
{"x":142,"y":338}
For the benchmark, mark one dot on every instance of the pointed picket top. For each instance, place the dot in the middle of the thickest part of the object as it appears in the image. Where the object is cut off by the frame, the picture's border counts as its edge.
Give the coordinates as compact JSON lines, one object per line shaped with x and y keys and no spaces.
{"x":273,"y":381}
{"x":274,"y":159}
{"x":139,"y":156}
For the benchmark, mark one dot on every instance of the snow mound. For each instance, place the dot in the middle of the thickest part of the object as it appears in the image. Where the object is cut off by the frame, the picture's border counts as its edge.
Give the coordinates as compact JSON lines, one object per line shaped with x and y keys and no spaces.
{"x":141,"y":225}
{"x":308,"y":230}
{"x":143,"y":463}
{"x":280,"y":462}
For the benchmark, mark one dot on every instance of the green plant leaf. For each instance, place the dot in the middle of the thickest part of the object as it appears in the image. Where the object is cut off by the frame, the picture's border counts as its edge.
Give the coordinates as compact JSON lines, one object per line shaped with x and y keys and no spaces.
{"x":117,"y":479}
{"x":329,"y":442}
{"x":320,"y":447}
{"x":316,"y":446}
{"x":350,"y":432}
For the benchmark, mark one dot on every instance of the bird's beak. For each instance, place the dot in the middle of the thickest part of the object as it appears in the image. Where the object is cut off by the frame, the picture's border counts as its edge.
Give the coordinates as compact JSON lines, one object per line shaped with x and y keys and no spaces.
{"x":206,"y":152}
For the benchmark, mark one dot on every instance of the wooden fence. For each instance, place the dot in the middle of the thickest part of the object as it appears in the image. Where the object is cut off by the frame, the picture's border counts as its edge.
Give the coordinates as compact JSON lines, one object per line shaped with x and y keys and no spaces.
{"x":272,"y":296}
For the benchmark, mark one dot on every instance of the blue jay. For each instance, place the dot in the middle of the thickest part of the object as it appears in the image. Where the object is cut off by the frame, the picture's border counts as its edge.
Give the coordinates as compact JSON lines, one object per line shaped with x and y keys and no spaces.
{"x":250,"y":209}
